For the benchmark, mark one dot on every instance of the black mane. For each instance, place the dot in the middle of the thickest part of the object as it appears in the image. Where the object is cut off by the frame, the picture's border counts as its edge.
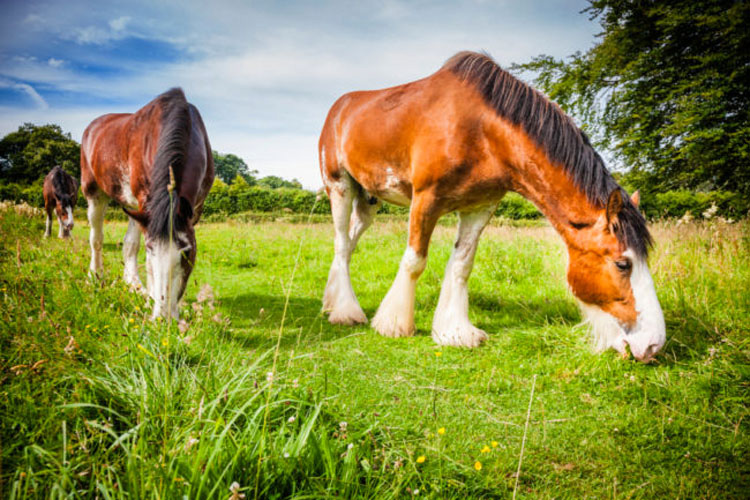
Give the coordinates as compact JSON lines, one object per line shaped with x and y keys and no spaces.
{"x":63,"y":185}
{"x":556,"y":133}
{"x":170,"y":152}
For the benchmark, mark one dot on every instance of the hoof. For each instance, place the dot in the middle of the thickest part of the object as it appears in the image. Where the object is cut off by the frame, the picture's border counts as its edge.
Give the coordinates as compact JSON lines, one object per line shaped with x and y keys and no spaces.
{"x":390,"y":326}
{"x":459,"y":336}
{"x":347,"y":317}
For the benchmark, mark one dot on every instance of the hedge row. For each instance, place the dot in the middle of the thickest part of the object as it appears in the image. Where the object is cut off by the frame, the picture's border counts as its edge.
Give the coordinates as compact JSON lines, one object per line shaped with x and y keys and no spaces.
{"x":224,"y":200}
{"x":678,"y":203}
{"x":238,"y":198}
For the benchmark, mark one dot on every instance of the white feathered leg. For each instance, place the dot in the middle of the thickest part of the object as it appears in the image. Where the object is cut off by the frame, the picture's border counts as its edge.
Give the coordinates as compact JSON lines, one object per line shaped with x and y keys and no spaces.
{"x":130,"y":246}
{"x":339,"y":299}
{"x":451,"y":325}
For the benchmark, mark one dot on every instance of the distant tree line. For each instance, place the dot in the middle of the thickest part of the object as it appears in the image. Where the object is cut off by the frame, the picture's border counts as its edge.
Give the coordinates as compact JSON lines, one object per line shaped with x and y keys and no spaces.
{"x":28,"y":154}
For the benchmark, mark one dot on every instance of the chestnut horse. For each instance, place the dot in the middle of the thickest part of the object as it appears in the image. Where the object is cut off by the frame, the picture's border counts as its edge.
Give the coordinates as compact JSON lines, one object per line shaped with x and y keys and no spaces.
{"x":60,"y":193}
{"x":458,"y":140}
{"x":157,"y":164}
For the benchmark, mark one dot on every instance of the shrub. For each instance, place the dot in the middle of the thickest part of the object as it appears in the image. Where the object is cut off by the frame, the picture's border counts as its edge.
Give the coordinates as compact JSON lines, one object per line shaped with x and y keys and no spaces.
{"x":677,"y":203}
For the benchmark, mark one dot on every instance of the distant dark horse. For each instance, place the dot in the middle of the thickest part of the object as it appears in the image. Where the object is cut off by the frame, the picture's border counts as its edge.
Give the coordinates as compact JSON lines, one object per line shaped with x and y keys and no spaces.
{"x":60,"y":194}
{"x":157,"y":164}
{"x":457,"y":141}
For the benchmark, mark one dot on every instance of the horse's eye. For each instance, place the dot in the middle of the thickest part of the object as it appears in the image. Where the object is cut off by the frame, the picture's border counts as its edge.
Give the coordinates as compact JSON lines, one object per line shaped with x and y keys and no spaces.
{"x":624,"y":265}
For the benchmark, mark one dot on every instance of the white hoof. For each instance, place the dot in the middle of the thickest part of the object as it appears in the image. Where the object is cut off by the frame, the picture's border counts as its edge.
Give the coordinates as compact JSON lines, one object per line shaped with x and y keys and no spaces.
{"x":349,"y":315}
{"x":459,"y":335}
{"x":391,"y":325}
{"x":136,"y":285}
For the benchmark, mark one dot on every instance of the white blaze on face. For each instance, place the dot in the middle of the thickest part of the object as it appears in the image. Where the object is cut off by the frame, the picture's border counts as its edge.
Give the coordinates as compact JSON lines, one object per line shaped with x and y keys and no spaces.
{"x":648,"y":335}
{"x":165,"y":277}
{"x":69,"y":222}
{"x":650,"y":332}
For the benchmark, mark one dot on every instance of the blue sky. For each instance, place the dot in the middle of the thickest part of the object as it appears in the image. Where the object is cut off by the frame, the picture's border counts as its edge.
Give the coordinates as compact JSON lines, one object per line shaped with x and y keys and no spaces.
{"x":263,"y":74}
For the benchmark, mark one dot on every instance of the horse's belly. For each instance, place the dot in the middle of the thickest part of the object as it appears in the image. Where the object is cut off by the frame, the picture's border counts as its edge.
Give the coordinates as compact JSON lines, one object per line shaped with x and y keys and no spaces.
{"x":391,"y":188}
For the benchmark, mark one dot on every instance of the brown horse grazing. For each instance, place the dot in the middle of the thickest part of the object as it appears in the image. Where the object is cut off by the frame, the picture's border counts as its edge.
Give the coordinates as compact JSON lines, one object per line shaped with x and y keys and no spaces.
{"x":157,"y":164}
{"x":60,"y":193}
{"x":458,"y":140}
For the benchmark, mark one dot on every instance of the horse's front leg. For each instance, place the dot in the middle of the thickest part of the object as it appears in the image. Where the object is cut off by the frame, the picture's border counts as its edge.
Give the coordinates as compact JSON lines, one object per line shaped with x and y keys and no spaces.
{"x":395,"y":316}
{"x":130,"y":246}
{"x":48,"y":226}
{"x":97,"y":207}
{"x":451,"y":325}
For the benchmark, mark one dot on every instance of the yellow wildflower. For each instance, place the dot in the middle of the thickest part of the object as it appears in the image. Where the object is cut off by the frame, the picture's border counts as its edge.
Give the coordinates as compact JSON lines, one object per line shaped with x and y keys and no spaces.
{"x":486,"y":449}
{"x":441,"y":431}
{"x":131,"y":320}
{"x":164,"y":342}
{"x":438,"y":353}
{"x":494,"y":444}
{"x":421,"y":459}
{"x":478,"y":465}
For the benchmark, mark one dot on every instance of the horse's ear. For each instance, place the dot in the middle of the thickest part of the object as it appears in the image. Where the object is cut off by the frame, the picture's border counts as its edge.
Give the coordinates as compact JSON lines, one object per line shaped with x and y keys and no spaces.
{"x":140,"y":216}
{"x":636,"y":198}
{"x":614,"y":205}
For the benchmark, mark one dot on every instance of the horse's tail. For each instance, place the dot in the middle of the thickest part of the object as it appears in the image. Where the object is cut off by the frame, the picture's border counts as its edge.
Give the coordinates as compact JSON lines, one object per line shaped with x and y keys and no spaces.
{"x":166,"y":210}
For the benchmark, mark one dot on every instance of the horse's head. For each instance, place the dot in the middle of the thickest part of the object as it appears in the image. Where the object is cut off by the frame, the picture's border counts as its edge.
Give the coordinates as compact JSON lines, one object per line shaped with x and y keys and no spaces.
{"x":64,"y":210}
{"x":614,"y":285}
{"x":169,"y":264}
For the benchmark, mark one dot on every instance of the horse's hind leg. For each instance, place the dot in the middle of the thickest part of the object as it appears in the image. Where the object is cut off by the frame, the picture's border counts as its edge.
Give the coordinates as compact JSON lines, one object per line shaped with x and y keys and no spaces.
{"x":364,"y":209}
{"x":395,"y":316}
{"x":451,"y":325}
{"x":130,"y":245}
{"x":339,"y":299}
{"x":97,"y":207}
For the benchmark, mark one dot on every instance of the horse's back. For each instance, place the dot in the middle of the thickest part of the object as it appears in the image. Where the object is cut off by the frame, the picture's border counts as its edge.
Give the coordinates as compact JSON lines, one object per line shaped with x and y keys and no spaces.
{"x":407,"y":137}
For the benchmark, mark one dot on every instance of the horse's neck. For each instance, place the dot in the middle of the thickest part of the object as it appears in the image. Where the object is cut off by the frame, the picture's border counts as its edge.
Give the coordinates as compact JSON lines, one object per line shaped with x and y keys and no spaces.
{"x":554,"y":193}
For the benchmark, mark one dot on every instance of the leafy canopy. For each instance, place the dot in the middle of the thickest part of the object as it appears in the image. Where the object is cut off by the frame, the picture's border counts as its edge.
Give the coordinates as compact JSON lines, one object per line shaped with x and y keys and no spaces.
{"x":665,"y":88}
{"x":29,"y":153}
{"x":229,"y":166}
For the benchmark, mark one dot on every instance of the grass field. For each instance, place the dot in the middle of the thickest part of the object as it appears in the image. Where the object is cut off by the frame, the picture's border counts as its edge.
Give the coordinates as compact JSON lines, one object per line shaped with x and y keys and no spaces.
{"x":98,"y":401}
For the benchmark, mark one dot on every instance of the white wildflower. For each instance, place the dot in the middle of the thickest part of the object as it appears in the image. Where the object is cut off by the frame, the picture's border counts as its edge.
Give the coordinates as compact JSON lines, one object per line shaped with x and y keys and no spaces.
{"x":711,"y":211}
{"x":235,"y":489}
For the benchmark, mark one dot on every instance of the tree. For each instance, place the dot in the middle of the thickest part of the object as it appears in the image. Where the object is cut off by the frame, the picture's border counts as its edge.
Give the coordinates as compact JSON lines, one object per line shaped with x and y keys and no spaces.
{"x":274,"y":182}
{"x":229,"y":166}
{"x":29,"y":153}
{"x":665,"y":89}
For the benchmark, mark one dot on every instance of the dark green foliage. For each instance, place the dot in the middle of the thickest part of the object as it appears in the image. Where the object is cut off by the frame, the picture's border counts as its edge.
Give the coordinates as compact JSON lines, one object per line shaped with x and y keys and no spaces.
{"x":242,"y":197}
{"x":666,"y":89}
{"x":29,"y":153}
{"x":274,"y":182}
{"x":678,"y":203}
{"x":229,"y":166}
{"x":516,"y":207}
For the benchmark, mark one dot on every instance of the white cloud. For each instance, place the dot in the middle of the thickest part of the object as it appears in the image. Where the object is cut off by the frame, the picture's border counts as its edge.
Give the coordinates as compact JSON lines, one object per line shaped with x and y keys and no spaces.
{"x":95,"y":35}
{"x":29,"y":90}
{"x":120,"y":23}
{"x":55,"y":63}
{"x":26,"y":89}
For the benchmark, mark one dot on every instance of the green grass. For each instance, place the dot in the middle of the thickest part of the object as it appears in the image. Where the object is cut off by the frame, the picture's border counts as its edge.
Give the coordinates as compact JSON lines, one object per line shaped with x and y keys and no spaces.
{"x":135,"y":409}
